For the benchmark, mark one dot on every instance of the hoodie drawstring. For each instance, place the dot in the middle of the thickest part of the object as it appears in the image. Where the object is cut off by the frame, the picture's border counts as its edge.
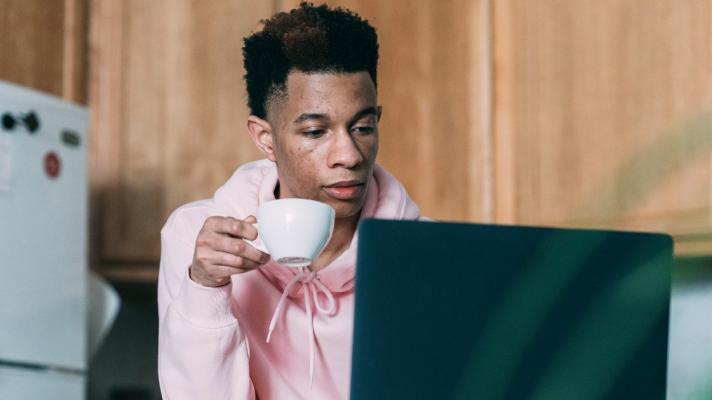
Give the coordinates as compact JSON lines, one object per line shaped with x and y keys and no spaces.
{"x":307,"y":278}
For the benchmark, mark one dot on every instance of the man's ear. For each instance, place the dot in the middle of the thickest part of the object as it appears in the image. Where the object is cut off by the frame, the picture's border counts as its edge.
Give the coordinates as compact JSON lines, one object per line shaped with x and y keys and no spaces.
{"x":261,"y":134}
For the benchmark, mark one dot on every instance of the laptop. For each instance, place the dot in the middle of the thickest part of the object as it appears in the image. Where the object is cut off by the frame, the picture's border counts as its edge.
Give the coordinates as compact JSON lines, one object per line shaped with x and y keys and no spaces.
{"x":468,"y":311}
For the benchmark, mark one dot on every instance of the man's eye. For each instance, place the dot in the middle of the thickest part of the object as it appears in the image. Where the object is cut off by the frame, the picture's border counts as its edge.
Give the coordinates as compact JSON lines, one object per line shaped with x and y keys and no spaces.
{"x":314,"y":133}
{"x":364,"y":129}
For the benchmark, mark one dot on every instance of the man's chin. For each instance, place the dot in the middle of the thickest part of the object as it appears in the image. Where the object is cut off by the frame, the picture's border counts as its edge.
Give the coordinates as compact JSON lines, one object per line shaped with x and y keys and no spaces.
{"x":346,"y":209}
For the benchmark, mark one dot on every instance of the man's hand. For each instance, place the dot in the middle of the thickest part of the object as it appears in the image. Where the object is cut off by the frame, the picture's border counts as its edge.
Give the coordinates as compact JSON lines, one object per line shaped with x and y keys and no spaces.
{"x":220,"y":251}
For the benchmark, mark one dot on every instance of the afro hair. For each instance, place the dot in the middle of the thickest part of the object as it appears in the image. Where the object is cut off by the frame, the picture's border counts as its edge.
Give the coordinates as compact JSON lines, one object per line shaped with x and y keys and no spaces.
{"x":308,"y":39}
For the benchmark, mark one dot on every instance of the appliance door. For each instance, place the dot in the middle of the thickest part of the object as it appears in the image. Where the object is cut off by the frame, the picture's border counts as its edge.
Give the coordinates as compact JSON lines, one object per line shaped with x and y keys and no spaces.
{"x":17,"y":383}
{"x":43,"y":224}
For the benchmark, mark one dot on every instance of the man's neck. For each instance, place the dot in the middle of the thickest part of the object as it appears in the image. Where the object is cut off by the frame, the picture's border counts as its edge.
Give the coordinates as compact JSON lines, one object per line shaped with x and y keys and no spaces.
{"x":344,"y":229}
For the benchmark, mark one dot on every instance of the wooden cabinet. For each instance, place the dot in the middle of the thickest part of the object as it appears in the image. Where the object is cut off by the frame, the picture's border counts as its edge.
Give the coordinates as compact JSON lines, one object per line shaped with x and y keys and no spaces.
{"x":574,"y":113}
{"x":169,"y":113}
{"x":43,"y":46}
{"x":565,"y":113}
{"x":603,"y":115}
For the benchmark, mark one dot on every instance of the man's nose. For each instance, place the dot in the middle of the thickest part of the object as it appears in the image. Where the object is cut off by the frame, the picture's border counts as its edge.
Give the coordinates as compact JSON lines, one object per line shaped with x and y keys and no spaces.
{"x":344,"y":152}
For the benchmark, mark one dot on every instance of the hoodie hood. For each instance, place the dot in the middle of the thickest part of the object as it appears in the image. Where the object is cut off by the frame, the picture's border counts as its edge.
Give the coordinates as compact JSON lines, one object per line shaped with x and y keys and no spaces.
{"x":253,"y":184}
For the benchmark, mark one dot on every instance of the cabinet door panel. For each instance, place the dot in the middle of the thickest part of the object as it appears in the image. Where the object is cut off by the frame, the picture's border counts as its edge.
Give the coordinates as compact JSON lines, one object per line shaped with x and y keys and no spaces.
{"x":170,"y":110}
{"x":603,"y":113}
{"x":43,"y":46}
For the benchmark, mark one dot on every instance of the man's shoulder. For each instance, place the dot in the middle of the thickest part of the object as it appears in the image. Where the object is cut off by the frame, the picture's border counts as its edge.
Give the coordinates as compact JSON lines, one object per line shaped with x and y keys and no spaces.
{"x":236,"y":198}
{"x":188,"y":219}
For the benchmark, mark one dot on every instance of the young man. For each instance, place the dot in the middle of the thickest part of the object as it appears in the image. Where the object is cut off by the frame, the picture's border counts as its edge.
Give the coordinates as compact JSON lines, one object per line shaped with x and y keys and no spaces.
{"x":311,"y":82}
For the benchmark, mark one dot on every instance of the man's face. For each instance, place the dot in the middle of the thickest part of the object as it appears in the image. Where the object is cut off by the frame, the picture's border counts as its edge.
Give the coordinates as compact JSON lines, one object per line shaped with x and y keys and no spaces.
{"x":324,"y":138}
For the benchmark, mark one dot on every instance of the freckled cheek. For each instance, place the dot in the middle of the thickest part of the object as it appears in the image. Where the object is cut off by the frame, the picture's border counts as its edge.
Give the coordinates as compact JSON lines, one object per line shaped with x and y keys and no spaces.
{"x":304,"y":171}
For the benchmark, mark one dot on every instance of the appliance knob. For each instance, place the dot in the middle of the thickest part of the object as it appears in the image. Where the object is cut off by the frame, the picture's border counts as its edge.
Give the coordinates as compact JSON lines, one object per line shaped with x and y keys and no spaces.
{"x":32,"y":122}
{"x":8,"y":121}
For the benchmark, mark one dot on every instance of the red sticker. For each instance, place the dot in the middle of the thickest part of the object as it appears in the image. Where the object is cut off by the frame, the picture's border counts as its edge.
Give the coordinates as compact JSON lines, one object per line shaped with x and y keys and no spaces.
{"x":52,"y":164}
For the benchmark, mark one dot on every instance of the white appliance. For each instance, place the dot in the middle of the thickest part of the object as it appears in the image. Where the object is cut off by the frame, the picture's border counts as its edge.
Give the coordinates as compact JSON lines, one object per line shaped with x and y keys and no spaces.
{"x":43,"y":246}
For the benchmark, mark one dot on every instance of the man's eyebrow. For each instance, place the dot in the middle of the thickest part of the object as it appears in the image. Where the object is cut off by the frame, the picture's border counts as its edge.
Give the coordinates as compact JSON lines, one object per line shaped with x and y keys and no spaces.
{"x":310,"y":116}
{"x":323,"y":117}
{"x":366,"y":111}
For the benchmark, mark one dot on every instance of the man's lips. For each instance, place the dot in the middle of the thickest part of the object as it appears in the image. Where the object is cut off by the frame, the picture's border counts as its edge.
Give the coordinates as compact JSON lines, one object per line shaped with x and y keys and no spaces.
{"x":345,"y":190}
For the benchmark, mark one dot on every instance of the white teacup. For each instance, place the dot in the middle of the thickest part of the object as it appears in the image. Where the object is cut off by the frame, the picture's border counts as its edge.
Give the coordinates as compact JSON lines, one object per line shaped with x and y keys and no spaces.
{"x":294,"y":231}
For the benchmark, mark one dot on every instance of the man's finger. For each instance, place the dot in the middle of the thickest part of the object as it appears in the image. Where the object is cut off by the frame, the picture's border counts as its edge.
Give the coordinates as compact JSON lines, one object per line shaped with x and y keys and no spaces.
{"x":233,"y":227}
{"x":221,"y":259}
{"x":219,"y":275}
{"x":238,"y":247}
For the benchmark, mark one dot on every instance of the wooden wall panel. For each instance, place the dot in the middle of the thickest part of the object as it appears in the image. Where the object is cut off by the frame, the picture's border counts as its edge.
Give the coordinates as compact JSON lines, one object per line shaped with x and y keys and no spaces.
{"x":434,"y":88}
{"x":75,"y":57}
{"x":548,"y":112}
{"x":603,"y":113}
{"x":170,"y":109}
{"x":43,"y":46}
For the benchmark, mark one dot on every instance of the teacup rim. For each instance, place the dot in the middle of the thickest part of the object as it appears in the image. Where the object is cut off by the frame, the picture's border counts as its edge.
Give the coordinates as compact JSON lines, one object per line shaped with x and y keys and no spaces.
{"x":298,"y":200}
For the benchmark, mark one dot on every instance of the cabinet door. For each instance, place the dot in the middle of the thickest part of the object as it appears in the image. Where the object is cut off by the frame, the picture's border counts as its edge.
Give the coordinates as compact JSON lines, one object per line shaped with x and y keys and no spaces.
{"x":43,"y":218}
{"x":28,"y":384}
{"x":43,"y":46}
{"x":169,"y":116}
{"x":169,"y":109}
{"x":603,"y":114}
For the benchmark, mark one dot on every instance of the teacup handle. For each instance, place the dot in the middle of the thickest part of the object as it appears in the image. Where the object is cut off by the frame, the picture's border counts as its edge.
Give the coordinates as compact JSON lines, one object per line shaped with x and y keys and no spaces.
{"x":257,"y":243}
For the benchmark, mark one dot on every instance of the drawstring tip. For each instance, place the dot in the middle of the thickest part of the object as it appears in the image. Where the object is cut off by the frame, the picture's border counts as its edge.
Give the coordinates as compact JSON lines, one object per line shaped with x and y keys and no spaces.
{"x":311,"y":288}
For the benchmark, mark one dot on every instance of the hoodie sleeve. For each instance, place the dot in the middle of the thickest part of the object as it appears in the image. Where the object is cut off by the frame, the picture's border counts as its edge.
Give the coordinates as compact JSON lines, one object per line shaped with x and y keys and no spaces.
{"x":202,"y":353}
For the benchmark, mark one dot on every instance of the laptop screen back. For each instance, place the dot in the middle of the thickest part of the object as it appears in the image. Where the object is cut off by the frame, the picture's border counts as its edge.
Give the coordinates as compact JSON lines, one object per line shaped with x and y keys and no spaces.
{"x":465,"y":311}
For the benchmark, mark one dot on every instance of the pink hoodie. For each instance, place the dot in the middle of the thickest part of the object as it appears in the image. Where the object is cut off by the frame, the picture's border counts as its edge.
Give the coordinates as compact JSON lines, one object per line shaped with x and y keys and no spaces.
{"x":212,"y":341}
